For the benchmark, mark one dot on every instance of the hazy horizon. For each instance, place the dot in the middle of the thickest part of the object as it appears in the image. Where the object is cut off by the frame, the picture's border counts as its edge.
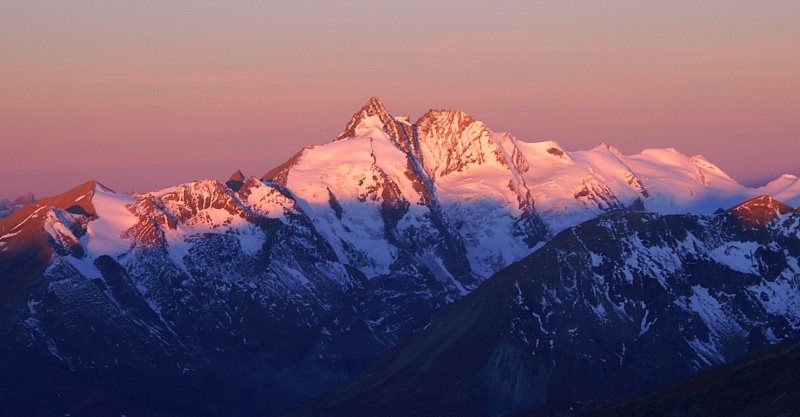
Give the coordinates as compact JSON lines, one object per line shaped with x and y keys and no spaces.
{"x":147,"y":95}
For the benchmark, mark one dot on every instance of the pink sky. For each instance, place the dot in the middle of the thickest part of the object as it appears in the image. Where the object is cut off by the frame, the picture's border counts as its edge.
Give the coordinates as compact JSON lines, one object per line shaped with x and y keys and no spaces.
{"x":146,"y":95}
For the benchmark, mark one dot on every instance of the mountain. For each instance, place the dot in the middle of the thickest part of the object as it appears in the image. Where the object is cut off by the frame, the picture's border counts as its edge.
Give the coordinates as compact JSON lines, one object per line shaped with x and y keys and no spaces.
{"x":236,"y":181}
{"x":7,"y":207}
{"x":618,"y":304}
{"x":259,"y":294}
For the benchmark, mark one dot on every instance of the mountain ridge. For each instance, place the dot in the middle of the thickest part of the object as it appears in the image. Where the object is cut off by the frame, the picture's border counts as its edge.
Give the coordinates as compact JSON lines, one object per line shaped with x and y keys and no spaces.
{"x":621,"y":303}
{"x":326,"y":261}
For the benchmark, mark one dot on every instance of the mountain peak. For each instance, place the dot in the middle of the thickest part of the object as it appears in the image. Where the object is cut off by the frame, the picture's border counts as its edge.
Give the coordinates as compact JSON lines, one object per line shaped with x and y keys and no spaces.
{"x":603,"y":146}
{"x":7,"y":206}
{"x":26,"y":198}
{"x":759,"y":211}
{"x":102,"y":187}
{"x":453,"y":140}
{"x":780,"y":183}
{"x":77,"y":200}
{"x":237,"y":176}
{"x":236,"y":180}
{"x":87,"y":188}
{"x":373,"y":108}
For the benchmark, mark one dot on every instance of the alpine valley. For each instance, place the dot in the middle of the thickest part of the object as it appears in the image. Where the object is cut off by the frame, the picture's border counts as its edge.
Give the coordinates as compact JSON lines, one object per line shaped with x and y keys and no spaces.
{"x":405,"y":268}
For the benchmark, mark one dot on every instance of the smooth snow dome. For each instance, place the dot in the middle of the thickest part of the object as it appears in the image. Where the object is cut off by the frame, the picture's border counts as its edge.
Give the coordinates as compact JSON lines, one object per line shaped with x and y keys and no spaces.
{"x":105,"y":234}
{"x":785,"y":189}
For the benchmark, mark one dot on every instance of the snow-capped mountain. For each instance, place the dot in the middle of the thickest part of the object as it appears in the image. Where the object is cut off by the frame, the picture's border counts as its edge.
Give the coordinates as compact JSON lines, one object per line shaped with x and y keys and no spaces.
{"x":616,"y":305}
{"x":454,"y":169}
{"x":285,"y":287}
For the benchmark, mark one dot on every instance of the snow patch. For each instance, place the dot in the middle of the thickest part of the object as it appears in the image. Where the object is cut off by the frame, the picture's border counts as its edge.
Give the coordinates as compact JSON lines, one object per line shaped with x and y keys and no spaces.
{"x":251,"y":240}
{"x":35,"y":212}
{"x":9,"y":235}
{"x":707,"y":352}
{"x":737,"y":256}
{"x":645,"y":325}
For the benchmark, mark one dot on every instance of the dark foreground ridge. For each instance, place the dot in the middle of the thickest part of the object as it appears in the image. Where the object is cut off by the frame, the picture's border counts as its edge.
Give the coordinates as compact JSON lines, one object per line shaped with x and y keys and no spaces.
{"x":609,"y":308}
{"x":767,"y":384}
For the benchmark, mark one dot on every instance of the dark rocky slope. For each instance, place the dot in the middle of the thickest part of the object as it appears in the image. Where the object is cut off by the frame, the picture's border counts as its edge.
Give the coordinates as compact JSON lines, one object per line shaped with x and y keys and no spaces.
{"x":606,"y":309}
{"x":766,"y":385}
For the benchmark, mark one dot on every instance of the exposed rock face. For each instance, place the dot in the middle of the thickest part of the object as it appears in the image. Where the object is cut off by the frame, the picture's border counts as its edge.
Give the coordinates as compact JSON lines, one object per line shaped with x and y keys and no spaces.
{"x":760,"y":211}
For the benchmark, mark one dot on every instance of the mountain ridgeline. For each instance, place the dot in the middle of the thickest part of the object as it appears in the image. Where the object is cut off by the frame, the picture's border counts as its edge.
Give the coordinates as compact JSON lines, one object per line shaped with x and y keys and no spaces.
{"x":621,"y":303}
{"x":257,"y":295}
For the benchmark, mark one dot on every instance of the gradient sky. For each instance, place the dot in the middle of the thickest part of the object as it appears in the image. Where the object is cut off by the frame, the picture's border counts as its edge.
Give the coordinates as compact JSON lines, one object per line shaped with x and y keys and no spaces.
{"x":148,"y":94}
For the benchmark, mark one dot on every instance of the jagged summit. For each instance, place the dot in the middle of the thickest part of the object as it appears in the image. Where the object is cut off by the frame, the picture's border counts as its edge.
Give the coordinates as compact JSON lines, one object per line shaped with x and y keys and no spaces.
{"x":236,"y":180}
{"x":449,"y":116}
{"x":237,"y":176}
{"x":373,"y":108}
{"x":453,"y":141}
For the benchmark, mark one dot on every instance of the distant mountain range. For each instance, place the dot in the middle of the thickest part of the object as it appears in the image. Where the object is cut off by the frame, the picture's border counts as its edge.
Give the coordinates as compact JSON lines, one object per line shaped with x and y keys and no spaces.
{"x":506,"y":274}
{"x":7,"y":206}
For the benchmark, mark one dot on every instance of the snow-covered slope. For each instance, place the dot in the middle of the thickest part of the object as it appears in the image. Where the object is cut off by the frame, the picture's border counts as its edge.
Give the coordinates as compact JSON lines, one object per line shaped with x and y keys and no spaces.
{"x":786,"y":189}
